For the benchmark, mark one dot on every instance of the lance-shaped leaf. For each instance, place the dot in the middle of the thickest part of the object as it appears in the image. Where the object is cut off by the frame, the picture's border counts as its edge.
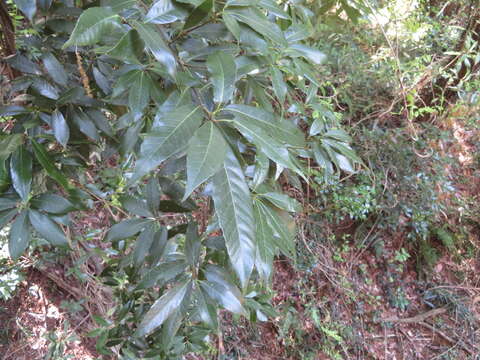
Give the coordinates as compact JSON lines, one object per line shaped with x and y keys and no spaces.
{"x":19,"y":235}
{"x":282,"y":201}
{"x":139,"y":92}
{"x":165,"y":12}
{"x":283,"y":130}
{"x":205,"y":155}
{"x":162,"y":273}
{"x":55,"y":69}
{"x":92,"y":25}
{"x":156,"y":45}
{"x":126,"y":228}
{"x":85,"y":124}
{"x":21,"y":172}
{"x":52,"y":203}
{"x":279,"y":85}
{"x":279,"y":222}
{"x":177,"y":127}
{"x":9,"y":143}
{"x":259,"y":22}
{"x":163,"y":308}
{"x":6,"y":216}
{"x":143,"y":244}
{"x":129,"y":48}
{"x":48,"y":164}
{"x":28,"y":7}
{"x":47,"y":228}
{"x":233,"y":207}
{"x":223,"y":72}
{"x":266,"y":249}
{"x":60,"y":128}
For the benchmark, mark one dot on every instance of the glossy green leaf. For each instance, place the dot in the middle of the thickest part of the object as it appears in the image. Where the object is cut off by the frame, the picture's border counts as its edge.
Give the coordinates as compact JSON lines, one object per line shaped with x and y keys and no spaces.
{"x":163,"y":308}
{"x":233,"y":206}
{"x":283,"y":235}
{"x":47,"y":228}
{"x":135,"y":206}
{"x":19,"y":236}
{"x":152,"y":194}
{"x":21,"y":172}
{"x":143,"y":244}
{"x":162,"y":273}
{"x":92,"y":25}
{"x":220,"y":288}
{"x":283,"y":130}
{"x":177,"y":128}
{"x":129,"y":48}
{"x":48,"y":164}
{"x":8,"y":202}
{"x":6,"y":216}
{"x":9,"y":143}
{"x":85,"y":124}
{"x":192,"y":244}
{"x":279,"y":85}
{"x":126,"y":228}
{"x":282,"y":201}
{"x":200,"y":13}
{"x":165,"y":12}
{"x":139,"y":93}
{"x":205,"y":155}
{"x":55,"y":69}
{"x":52,"y":203}
{"x":223,"y":74}
{"x":157,"y":46}
{"x":258,"y":22}
{"x":60,"y":128}
{"x":265,"y":248}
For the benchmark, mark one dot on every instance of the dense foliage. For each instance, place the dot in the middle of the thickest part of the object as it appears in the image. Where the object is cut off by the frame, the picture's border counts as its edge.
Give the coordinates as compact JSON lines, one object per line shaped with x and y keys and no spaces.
{"x":204,"y":108}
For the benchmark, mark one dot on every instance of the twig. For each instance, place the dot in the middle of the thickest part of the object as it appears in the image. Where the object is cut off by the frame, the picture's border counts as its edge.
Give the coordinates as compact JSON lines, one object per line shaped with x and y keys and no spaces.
{"x":417,"y":318}
{"x":448,"y":338}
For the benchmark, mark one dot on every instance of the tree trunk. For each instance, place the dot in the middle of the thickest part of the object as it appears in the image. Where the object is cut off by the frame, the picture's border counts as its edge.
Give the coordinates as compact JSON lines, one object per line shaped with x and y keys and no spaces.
{"x":7,"y":36}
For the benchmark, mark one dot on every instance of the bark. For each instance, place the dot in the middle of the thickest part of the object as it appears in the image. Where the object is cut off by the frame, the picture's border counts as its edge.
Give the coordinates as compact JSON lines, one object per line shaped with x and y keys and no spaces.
{"x":7,"y":38}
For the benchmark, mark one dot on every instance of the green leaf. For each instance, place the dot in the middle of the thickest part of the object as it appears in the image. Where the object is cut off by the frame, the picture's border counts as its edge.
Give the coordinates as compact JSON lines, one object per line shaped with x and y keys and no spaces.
{"x":139,"y":93}
{"x":135,"y":206}
{"x":28,"y":7}
{"x":47,"y":228}
{"x":156,"y":45}
{"x":55,"y":69}
{"x":93,"y":24}
{"x":60,"y":128}
{"x":9,"y":143}
{"x":128,"y":49}
{"x":118,"y":5}
{"x":206,"y":152}
{"x":258,"y":22}
{"x":165,"y":12}
{"x":283,"y":130}
{"x":6,"y":216}
{"x":178,"y":126}
{"x":126,"y":228}
{"x":162,"y":274}
{"x":143,"y":244}
{"x":163,"y":308}
{"x":282,"y":201}
{"x":314,"y":55}
{"x":219,"y":287}
{"x":13,"y":110}
{"x":233,"y":206}
{"x":19,"y":235}
{"x":206,"y":311}
{"x":52,"y":203}
{"x":232,"y":24}
{"x":21,"y":172}
{"x":85,"y":124}
{"x":197,"y":15}
{"x":100,"y":121}
{"x":284,"y":238}
{"x":8,"y":202}
{"x":270,"y":146}
{"x":48,"y":164}
{"x":223,"y":74}
{"x":265,"y":249}
{"x":152,"y":194}
{"x":279,"y":85}
{"x":192,"y":244}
